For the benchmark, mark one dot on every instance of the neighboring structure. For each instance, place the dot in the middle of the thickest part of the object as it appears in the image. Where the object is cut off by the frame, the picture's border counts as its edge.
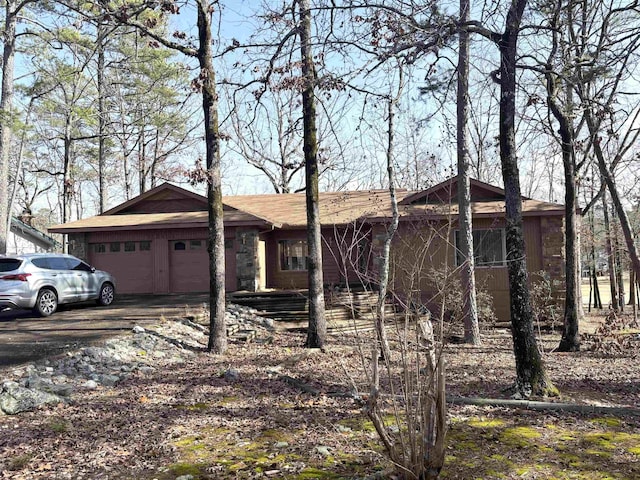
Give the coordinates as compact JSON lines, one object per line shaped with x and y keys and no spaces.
{"x":24,"y":238}
{"x":157,"y":242}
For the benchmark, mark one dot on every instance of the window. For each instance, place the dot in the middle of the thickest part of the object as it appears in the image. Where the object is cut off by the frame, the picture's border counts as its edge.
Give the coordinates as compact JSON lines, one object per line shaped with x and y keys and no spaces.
{"x":57,"y":263}
{"x":75,"y":264}
{"x":195,"y":244}
{"x":179,"y":246}
{"x":99,"y":248}
{"x":42,"y":262}
{"x":228,"y":243}
{"x":145,"y":246}
{"x":293,"y":254}
{"x":9,"y":264}
{"x":114,"y":247}
{"x":488,"y":248}
{"x":129,"y":246}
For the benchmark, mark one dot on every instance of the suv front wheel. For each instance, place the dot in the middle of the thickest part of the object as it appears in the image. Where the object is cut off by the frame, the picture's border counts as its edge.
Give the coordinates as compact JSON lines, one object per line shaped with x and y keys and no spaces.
{"x":107,"y":294}
{"x":46,"y":303}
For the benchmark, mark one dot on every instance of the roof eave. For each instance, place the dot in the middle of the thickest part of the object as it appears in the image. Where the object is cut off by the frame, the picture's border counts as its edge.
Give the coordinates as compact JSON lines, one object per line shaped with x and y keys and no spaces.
{"x":440,"y":216}
{"x":158,"y":226}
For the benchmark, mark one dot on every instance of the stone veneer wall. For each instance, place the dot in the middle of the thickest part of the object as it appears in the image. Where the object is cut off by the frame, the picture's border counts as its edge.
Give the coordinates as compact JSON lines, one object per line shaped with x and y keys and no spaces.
{"x":247,"y":260}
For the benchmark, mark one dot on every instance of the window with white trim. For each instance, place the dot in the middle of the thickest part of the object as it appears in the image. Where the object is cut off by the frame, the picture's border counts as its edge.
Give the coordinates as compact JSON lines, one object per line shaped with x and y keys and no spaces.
{"x":489,"y":248}
{"x":293,"y":255}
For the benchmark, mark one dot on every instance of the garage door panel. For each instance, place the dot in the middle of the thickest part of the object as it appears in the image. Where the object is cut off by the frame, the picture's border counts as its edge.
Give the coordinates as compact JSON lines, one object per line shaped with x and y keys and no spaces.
{"x":127,"y":262}
{"x":189,"y":267}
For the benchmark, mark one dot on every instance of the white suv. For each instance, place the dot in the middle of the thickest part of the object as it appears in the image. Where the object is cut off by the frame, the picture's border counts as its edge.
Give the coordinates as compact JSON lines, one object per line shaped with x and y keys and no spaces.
{"x":42,"y":281}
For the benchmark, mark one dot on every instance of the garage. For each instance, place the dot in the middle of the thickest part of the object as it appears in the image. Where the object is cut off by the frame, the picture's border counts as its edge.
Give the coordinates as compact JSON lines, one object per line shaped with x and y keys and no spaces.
{"x":188,"y":266}
{"x":131,"y":263}
{"x":156,"y":243}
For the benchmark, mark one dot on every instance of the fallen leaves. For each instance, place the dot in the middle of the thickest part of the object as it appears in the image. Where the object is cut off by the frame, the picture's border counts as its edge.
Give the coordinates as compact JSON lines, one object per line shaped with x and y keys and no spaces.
{"x":188,"y":419}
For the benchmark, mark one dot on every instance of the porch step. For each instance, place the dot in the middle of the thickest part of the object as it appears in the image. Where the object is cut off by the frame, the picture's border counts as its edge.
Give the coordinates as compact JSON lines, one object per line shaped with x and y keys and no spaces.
{"x":272,"y":302}
{"x":293,"y":306}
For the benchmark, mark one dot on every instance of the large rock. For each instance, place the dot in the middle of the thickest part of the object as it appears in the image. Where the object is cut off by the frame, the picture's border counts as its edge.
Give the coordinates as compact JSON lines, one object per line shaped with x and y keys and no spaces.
{"x":47,"y":385}
{"x":15,"y":399}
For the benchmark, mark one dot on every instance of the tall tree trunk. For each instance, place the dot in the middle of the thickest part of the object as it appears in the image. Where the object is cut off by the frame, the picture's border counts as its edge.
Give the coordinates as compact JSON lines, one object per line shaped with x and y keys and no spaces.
{"x":613,"y":278}
{"x":6,"y":117}
{"x":142,"y":159}
{"x":607,"y":176}
{"x":101,"y":118}
{"x":597,"y":302}
{"x":67,"y":181}
{"x":386,"y":249}
{"x":19,"y":169}
{"x":579,"y":253}
{"x":570,"y":340}
{"x":465,"y":220}
{"x":317,"y":329}
{"x":215,"y":246}
{"x":530,"y":371}
{"x":619,"y":271}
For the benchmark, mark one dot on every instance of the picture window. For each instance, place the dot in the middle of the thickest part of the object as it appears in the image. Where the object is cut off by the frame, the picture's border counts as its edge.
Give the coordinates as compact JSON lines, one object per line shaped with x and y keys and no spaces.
{"x":294,"y":255}
{"x":489,"y":248}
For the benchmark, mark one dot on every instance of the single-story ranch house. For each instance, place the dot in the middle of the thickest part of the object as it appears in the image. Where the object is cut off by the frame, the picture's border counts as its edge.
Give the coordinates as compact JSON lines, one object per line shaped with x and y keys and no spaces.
{"x":157,"y":242}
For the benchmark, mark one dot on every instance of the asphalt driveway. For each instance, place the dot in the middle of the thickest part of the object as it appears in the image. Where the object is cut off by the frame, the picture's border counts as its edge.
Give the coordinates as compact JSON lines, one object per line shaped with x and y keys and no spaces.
{"x":25,"y":337}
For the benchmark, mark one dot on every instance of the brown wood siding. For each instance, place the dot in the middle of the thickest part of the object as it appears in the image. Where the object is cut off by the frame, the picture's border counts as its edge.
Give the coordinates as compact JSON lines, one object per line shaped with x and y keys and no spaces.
{"x":333,"y":266}
{"x":418,"y":251}
{"x":230,"y":263}
{"x":276,"y":277}
{"x":347,"y":255}
{"x":164,"y":206}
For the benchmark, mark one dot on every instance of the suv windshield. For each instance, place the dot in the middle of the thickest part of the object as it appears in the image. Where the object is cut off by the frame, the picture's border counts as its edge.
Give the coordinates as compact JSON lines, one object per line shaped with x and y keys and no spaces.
{"x":9,"y":264}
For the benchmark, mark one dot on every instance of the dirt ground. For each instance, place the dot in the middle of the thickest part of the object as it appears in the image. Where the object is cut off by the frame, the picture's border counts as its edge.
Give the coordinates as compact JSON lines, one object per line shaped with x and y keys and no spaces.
{"x":191,"y":419}
{"x":26,"y":337}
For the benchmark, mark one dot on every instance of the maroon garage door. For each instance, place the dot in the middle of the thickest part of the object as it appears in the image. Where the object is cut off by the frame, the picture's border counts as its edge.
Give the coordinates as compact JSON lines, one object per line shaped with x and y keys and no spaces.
{"x":189,"y":266}
{"x":130,"y":262}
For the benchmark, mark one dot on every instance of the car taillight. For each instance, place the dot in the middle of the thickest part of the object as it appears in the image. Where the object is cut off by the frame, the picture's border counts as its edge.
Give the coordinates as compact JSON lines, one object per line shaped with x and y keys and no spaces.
{"x":22,"y":277}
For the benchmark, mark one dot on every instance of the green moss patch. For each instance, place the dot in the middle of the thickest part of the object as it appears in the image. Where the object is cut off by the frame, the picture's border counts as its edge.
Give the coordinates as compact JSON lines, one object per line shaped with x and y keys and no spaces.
{"x":486,"y":423}
{"x":506,"y":447}
{"x":196,"y":470}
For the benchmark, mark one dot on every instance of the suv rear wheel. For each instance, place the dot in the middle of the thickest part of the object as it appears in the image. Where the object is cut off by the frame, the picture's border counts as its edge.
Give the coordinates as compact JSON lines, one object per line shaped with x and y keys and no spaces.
{"x":46,"y":303}
{"x":107,"y":294}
